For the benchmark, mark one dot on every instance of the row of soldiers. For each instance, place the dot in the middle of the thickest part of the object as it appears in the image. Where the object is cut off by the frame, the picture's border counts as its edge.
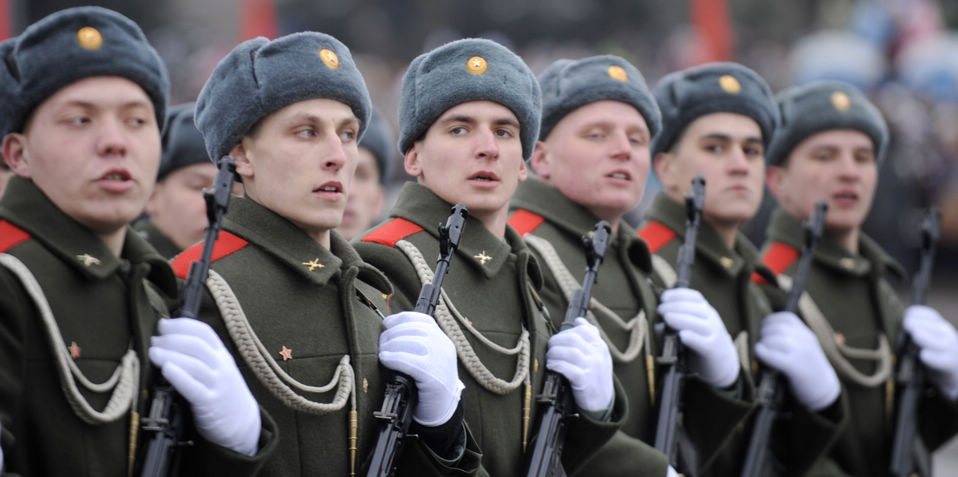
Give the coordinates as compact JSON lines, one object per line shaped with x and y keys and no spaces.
{"x":299,"y":328}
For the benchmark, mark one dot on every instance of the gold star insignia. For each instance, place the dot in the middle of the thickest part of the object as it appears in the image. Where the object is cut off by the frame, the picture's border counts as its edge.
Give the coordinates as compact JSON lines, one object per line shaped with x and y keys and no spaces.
{"x":841,"y":101}
{"x":74,"y":350}
{"x":482,"y":257}
{"x":89,"y":38}
{"x":729,"y":84}
{"x":329,"y":58}
{"x":618,"y":73}
{"x":313,"y":264}
{"x":88,"y":259}
{"x":477,"y":65}
{"x":286,"y":353}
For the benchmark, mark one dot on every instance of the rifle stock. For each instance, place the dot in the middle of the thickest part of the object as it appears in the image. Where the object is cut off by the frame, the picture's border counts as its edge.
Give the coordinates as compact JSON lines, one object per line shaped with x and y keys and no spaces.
{"x":400,"y":397}
{"x":169,"y":413}
{"x":907,"y":457}
{"x":556,"y":402}
{"x":673,"y":357}
{"x":770,"y":395}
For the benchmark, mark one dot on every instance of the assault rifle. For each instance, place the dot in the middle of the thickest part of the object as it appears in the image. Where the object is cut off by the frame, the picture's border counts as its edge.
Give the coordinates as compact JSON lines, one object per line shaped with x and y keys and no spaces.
{"x":673,"y":356}
{"x":556,"y":404}
{"x":771,"y":389}
{"x":169,"y":412}
{"x":401,"y":398}
{"x":909,"y":456}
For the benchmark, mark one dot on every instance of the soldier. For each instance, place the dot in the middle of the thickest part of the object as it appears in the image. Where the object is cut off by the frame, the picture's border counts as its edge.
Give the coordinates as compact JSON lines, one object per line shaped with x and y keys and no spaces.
{"x":593,"y":160}
{"x":717,"y":120}
{"x":300,"y":307}
{"x":364,"y":206}
{"x":177,"y":211}
{"x":830,"y":145}
{"x":81,"y":292}
{"x":464,"y":137}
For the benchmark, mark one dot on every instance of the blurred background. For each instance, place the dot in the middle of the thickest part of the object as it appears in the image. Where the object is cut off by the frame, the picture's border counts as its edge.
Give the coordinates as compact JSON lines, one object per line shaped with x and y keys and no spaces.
{"x":902,"y":53}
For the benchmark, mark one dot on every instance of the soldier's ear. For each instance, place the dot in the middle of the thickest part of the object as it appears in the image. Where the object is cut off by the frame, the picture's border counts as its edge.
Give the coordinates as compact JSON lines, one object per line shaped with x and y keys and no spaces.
{"x":664,"y":166}
{"x":244,"y":163}
{"x":412,"y":162}
{"x":540,"y":160}
{"x":774,"y":179}
{"x":16,"y":155}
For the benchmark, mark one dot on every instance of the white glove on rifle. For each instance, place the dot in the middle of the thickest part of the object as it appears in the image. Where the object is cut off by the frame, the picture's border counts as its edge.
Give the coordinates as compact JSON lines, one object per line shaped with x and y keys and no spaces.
{"x":582,"y":356}
{"x":701,"y":329}
{"x":788,"y":346}
{"x":197,"y":364}
{"x":938,"y":341}
{"x":671,"y":472}
{"x":414,"y":345}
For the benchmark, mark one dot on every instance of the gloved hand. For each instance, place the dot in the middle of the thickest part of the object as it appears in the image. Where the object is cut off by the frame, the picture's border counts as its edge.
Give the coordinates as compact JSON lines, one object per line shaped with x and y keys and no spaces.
{"x":197,"y":364}
{"x":580,"y":354}
{"x":938,"y":341}
{"x":788,"y":346}
{"x":701,"y":329}
{"x":414,"y":345}
{"x":671,"y":472}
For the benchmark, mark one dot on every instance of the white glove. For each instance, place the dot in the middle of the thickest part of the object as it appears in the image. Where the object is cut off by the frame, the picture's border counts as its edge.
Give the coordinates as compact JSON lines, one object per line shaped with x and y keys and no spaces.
{"x":197,"y":364}
{"x":582,"y":356}
{"x":701,"y":329}
{"x":671,"y":472}
{"x":938,"y":341}
{"x":414,"y":345}
{"x":788,"y":346}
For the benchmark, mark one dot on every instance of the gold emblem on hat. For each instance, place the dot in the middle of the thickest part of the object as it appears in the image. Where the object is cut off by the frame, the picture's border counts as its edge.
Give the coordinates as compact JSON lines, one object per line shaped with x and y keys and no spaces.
{"x":618,"y":73}
{"x":841,"y":101}
{"x":729,"y":84}
{"x":89,"y":38}
{"x":330,"y":58}
{"x":477,"y":65}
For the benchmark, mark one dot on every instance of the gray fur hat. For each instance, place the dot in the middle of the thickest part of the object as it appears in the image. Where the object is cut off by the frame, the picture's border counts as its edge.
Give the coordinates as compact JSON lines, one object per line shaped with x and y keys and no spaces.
{"x":569,"y":84}
{"x":470,"y":69}
{"x":71,"y":45}
{"x":182,"y":142}
{"x":261,"y":76}
{"x":686,"y":95}
{"x":8,"y":94}
{"x":821,"y":106}
{"x":379,"y":139}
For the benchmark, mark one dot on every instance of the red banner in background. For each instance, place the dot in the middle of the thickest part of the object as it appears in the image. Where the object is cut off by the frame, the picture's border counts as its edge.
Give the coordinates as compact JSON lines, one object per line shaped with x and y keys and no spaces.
{"x":713,"y":26}
{"x":6,"y":19}
{"x":257,"y":18}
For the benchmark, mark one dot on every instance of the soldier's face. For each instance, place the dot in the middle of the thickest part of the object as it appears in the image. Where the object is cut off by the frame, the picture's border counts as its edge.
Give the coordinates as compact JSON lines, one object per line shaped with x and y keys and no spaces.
{"x":366,"y":195}
{"x":471,"y":155}
{"x":177,"y":206}
{"x":838,"y":166}
{"x":727,"y":150}
{"x":93,"y":148}
{"x":598,"y":156}
{"x":299,"y":163}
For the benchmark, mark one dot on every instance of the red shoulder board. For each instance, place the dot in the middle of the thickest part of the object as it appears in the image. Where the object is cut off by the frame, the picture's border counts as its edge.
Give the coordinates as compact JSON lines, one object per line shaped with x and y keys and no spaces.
{"x":391,"y":232}
{"x":656,"y":235}
{"x":524,"y":221}
{"x":778,"y":258}
{"x":11,"y":236}
{"x":226,"y":244}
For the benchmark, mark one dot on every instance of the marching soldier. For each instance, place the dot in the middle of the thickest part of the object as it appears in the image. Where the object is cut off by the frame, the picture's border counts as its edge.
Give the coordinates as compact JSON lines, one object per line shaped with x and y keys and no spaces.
{"x":364,"y":206}
{"x":830,"y":145}
{"x":469,"y":115}
{"x":81,"y":292}
{"x":717,"y":121}
{"x":301,"y":309}
{"x":592,"y":161}
{"x":177,"y":212}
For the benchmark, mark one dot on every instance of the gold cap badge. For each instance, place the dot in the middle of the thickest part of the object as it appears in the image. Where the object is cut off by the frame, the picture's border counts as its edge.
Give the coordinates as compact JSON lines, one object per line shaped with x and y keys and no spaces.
{"x":618,"y":73}
{"x":89,"y":38}
{"x":330,"y":58}
{"x":841,"y":101}
{"x":729,"y":84}
{"x":477,"y":65}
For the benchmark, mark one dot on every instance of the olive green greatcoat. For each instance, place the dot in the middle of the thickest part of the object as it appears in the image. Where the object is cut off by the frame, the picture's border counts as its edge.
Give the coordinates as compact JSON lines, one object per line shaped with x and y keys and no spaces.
{"x":624,"y":287}
{"x":494,"y":284}
{"x":155,"y":237}
{"x":320,"y":304}
{"x":101,"y":305}
{"x":858,"y":302}
{"x":727,"y":279}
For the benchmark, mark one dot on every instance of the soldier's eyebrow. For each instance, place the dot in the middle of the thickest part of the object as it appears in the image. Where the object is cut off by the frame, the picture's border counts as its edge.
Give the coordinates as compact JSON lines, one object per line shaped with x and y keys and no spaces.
{"x":716,"y":136}
{"x":507,"y":122}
